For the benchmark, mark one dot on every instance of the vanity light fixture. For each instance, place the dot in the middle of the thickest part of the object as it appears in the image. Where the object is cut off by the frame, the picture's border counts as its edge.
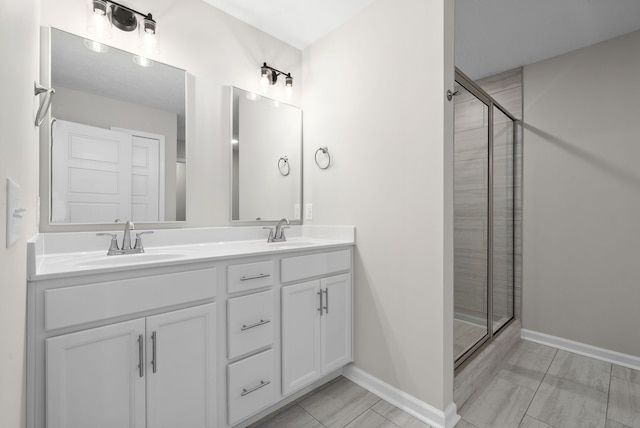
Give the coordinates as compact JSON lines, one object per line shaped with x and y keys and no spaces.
{"x":105,"y":13}
{"x":269,"y":76}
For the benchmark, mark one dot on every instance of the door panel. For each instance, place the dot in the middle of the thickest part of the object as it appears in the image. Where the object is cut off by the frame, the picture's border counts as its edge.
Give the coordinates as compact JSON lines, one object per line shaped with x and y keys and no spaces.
{"x":336,"y":322}
{"x":181,"y":389}
{"x":93,"y":378}
{"x":145,"y":184}
{"x":300,"y":335}
{"x":91,"y":174}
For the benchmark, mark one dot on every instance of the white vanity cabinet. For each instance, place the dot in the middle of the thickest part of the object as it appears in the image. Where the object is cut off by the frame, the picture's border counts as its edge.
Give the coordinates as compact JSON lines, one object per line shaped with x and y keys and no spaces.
{"x":92,"y":378}
{"x":316,"y":319}
{"x":136,"y":351}
{"x":214,"y":342}
{"x":159,"y":368}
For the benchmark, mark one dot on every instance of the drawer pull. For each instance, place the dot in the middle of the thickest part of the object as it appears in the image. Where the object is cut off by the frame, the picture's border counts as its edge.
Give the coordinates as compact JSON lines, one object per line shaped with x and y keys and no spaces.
{"x":245,"y":391}
{"x":249,"y":278}
{"x":319,"y":293}
{"x":258,"y":324}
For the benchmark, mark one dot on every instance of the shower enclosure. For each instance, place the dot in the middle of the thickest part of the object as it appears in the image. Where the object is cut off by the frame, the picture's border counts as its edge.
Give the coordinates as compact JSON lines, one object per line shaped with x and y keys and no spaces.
{"x":484,"y":146}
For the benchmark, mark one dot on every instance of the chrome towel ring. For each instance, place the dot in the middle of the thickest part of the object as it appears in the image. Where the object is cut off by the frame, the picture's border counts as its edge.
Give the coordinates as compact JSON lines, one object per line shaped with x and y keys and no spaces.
{"x":324,"y":160}
{"x":283,"y":166}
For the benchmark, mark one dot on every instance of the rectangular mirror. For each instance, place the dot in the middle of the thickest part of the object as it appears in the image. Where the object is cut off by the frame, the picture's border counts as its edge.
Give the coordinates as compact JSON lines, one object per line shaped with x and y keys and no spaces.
{"x":266,"y":158}
{"x":117,"y":135}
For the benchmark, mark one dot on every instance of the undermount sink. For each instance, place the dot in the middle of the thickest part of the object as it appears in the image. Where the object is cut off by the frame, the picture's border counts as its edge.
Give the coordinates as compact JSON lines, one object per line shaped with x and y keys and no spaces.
{"x":125,"y":259}
{"x":289,"y":244}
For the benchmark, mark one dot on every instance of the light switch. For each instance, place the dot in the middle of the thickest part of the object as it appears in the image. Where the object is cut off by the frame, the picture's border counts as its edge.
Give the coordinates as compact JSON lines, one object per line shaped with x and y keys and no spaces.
{"x":308,"y":213}
{"x":14,"y":212}
{"x":296,"y":211}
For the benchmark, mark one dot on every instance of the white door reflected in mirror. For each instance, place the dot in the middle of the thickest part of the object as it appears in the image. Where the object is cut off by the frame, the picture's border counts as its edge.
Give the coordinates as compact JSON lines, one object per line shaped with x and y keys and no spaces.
{"x":102,"y":175}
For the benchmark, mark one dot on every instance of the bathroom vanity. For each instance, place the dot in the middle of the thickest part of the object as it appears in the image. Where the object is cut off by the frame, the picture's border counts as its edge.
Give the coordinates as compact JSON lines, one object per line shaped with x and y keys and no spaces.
{"x":208,"y":328}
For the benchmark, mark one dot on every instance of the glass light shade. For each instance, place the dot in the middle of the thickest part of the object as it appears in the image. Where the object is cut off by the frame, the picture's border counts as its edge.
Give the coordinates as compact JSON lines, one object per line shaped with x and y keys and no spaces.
{"x":98,"y":24}
{"x":148,"y":40}
{"x":264,"y":82}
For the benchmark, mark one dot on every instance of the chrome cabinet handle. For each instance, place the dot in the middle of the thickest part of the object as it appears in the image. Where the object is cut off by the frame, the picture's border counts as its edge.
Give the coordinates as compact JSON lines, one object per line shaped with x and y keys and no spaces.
{"x":262,"y":384}
{"x":141,"y":354}
{"x":154,"y":355}
{"x":320,"y":308}
{"x":258,"y":324}
{"x":260,"y":275}
{"x":326,"y":301}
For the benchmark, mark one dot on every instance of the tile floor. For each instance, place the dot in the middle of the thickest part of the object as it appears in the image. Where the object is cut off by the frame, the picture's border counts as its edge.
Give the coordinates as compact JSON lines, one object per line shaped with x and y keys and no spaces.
{"x":537,"y":387}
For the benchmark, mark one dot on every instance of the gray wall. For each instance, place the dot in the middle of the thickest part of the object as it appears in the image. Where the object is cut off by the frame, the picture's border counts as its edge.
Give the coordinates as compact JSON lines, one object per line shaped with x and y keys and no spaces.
{"x":391,"y":176}
{"x":19,"y":47}
{"x":582,"y":196}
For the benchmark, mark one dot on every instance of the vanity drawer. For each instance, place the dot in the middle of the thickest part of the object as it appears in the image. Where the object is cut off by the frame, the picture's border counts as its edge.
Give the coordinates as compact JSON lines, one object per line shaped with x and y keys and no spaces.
{"x":251,"y":385}
{"x":249,"y":276}
{"x":301,"y":267}
{"x":250,"y":323}
{"x":65,"y":307}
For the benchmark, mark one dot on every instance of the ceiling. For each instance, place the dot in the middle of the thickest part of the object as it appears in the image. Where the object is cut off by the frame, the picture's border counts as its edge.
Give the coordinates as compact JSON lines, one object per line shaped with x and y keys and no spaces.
{"x":491,"y":35}
{"x":297,"y":22}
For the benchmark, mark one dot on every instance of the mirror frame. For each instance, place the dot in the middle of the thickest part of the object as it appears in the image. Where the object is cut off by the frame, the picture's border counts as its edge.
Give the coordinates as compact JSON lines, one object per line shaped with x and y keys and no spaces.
{"x":231,"y":169}
{"x":44,"y":201}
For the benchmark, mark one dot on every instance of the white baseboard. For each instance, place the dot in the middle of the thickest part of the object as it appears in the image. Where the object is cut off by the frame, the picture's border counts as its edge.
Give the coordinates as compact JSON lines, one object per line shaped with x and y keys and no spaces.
{"x":405,"y":402}
{"x":602,"y":354}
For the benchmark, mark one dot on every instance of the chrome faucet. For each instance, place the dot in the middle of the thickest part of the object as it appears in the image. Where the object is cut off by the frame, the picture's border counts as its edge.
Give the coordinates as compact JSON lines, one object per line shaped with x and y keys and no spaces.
{"x":126,"y":241}
{"x":278,"y":236}
{"x":126,"y":238}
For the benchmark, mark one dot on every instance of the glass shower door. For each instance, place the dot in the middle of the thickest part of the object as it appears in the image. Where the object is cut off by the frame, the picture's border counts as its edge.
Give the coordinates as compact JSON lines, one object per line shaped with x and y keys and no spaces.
{"x":483,"y":218}
{"x":471,"y":213}
{"x":503,"y":208}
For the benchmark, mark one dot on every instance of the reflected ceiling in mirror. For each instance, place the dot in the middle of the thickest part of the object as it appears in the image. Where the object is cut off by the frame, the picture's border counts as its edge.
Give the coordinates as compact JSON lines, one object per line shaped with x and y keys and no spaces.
{"x":118,"y":135}
{"x":266,"y":158}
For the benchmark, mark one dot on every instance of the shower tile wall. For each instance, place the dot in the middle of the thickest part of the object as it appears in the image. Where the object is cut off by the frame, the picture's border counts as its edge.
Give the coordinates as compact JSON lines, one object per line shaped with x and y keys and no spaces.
{"x":470,"y":226}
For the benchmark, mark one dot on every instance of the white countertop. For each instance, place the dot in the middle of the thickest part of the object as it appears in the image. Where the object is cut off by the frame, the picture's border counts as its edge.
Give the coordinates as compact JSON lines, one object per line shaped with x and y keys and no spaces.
{"x":57,"y":255}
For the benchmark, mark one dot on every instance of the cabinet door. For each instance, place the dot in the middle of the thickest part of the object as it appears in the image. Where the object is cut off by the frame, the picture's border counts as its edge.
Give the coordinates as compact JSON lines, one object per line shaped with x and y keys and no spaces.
{"x":181,"y":368}
{"x":94,"y":378}
{"x":300,"y":335}
{"x":336,"y":322}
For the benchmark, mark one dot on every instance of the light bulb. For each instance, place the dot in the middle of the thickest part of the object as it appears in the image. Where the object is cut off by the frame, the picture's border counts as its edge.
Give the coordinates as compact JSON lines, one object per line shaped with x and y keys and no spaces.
{"x":288,"y":92}
{"x":99,"y":25}
{"x":264,"y":82}
{"x":148,"y":40}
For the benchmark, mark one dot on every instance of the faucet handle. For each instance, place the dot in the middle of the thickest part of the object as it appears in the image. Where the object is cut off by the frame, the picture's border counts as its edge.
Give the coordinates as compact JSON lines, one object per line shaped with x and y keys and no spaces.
{"x":114,"y":241}
{"x":282,"y":231}
{"x":270,"y":238}
{"x":138,"y":244}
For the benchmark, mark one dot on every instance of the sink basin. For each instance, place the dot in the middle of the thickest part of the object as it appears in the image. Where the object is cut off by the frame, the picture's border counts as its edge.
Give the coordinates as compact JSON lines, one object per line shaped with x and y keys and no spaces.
{"x":289,"y":244}
{"x":126,"y":259}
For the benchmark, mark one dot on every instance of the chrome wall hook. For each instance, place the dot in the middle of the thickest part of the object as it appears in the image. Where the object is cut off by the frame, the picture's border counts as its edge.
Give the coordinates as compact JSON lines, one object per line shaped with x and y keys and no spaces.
{"x":45,"y":103}
{"x":450,"y":94}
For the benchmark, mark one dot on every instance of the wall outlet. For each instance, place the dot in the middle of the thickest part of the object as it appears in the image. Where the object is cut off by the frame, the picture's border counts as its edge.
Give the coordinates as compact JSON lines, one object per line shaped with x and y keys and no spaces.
{"x":296,"y":211}
{"x":308,"y":212}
